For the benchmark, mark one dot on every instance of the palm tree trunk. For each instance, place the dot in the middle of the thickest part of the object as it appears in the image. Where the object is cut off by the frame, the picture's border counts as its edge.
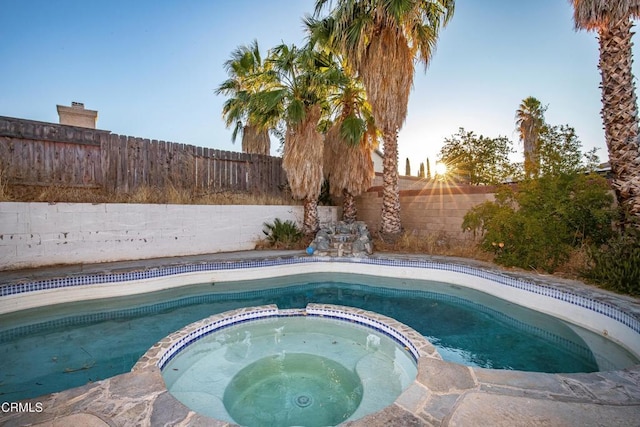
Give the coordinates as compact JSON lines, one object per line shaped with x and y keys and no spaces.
{"x":311,"y":220}
{"x":391,"y":226}
{"x":349,"y":209}
{"x":620,"y":113}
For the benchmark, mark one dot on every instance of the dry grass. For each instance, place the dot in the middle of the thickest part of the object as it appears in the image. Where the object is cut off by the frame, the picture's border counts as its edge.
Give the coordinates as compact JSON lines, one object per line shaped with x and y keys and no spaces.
{"x":144,"y":195}
{"x":4,"y":187}
{"x":300,"y":245}
{"x":575,"y":266}
{"x":443,"y":244}
{"x":150,"y":195}
{"x":56,"y":194}
{"x":228,"y":198}
{"x":432,"y":244}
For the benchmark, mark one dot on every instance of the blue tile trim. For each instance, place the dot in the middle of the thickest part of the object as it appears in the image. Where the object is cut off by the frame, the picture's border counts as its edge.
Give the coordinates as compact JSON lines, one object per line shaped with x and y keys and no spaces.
{"x":369,"y":322}
{"x":597,"y":306}
{"x":183,"y":343}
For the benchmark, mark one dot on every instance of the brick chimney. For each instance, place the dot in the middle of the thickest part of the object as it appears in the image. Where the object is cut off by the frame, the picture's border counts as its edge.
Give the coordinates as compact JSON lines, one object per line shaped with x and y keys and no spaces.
{"x":76,"y":115}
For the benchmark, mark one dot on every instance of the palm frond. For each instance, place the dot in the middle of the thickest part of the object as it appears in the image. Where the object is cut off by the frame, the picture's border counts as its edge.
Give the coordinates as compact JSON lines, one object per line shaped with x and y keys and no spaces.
{"x":247,"y":77}
{"x":594,"y":14}
{"x":303,"y":154}
{"x":295,"y":113}
{"x":352,"y":130}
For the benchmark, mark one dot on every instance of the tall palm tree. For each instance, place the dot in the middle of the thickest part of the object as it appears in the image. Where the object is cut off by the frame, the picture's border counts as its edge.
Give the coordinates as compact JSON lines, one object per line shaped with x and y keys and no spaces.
{"x":348,"y":146}
{"x":349,"y":166}
{"x":298,"y":97}
{"x":352,"y":136}
{"x":612,"y":20}
{"x":381,"y":39}
{"x":530,"y":124}
{"x":246,"y":72}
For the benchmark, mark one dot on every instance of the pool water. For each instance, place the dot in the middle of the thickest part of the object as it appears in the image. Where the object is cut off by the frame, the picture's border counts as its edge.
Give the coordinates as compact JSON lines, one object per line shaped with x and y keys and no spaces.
{"x":73,"y":344}
{"x":306,"y":389}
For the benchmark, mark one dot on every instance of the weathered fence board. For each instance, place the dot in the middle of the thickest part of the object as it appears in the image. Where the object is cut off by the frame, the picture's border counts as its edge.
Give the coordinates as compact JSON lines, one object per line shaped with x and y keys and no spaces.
{"x":37,"y":153}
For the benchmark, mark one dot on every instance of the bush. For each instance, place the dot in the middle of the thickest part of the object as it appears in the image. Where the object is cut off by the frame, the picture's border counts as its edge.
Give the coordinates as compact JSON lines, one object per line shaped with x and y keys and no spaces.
{"x":539,"y":225}
{"x":282,"y":234}
{"x":616,"y":265}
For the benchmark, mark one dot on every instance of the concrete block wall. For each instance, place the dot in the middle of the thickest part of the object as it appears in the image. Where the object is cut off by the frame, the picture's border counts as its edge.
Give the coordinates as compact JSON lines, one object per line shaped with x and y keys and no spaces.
{"x":40,"y":234}
{"x":431,"y":210}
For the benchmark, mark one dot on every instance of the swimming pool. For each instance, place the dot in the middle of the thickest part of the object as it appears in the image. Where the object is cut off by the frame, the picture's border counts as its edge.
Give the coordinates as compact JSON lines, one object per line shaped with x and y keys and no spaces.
{"x":84,"y":333}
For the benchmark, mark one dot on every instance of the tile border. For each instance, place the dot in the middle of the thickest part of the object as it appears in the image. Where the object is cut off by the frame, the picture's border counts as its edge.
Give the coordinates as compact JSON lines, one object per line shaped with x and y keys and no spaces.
{"x":596,"y":306}
{"x":169,"y":347}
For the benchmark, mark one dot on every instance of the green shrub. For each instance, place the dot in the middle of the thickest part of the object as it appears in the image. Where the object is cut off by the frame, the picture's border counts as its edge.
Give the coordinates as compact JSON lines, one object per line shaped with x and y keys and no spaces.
{"x":616,"y":265}
{"x":538,"y":225}
{"x":282,"y":234}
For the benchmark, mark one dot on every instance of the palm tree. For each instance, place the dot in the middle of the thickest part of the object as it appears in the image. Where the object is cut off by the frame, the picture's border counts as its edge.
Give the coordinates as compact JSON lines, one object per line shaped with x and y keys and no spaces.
{"x":348,"y":145}
{"x":530,"y":124}
{"x":352,"y":135}
{"x":246,"y":72}
{"x":612,"y":20}
{"x":381,"y":39}
{"x":302,"y":78}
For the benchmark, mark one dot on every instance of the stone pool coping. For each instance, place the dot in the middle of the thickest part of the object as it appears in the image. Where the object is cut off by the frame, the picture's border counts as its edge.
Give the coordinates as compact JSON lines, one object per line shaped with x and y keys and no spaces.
{"x":444,"y":393}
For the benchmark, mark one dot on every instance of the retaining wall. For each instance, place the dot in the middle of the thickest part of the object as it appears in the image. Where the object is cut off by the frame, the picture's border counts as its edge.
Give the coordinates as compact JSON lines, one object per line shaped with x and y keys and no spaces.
{"x":40,"y":234}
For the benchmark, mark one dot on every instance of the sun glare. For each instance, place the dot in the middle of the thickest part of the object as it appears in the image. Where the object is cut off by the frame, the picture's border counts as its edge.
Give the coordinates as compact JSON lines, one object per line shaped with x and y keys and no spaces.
{"x":441,"y":169}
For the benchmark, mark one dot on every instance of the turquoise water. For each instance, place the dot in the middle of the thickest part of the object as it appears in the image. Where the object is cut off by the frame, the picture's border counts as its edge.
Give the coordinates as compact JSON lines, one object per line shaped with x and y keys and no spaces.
{"x":54,"y":348}
{"x":300,"y":389}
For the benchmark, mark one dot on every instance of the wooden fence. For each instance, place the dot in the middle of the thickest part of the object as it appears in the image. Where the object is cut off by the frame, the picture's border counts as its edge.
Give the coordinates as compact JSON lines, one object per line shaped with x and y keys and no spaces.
{"x":38,"y":153}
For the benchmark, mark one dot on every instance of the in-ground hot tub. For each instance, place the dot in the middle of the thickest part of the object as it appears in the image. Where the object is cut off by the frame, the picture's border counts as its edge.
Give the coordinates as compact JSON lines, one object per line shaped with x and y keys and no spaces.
{"x":317,"y":366}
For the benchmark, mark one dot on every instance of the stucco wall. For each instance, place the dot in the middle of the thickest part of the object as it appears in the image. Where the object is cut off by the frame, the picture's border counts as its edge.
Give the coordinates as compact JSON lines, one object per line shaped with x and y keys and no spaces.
{"x":39,"y":234}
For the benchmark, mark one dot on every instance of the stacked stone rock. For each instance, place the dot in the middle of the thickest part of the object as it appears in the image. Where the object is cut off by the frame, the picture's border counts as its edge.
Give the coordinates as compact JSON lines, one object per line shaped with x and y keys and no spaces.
{"x":342,"y":240}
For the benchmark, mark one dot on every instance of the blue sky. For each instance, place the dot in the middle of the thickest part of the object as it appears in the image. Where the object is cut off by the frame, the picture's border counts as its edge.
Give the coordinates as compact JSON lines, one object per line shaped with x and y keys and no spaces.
{"x":150,"y":68}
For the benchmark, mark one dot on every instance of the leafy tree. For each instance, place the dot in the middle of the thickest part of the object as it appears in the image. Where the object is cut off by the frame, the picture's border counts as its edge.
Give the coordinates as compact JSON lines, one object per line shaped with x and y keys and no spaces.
{"x":616,"y":265}
{"x":559,"y":151}
{"x":550,"y":215}
{"x":407,"y":168}
{"x":382,"y":39}
{"x":612,"y":20}
{"x":591,"y":160}
{"x":428,"y":169}
{"x":538,"y":226}
{"x":421,"y":171}
{"x":476,"y":159}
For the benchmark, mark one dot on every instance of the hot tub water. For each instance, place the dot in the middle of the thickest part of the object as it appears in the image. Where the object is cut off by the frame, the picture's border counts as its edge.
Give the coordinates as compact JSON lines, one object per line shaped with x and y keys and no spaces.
{"x":294,"y":370}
